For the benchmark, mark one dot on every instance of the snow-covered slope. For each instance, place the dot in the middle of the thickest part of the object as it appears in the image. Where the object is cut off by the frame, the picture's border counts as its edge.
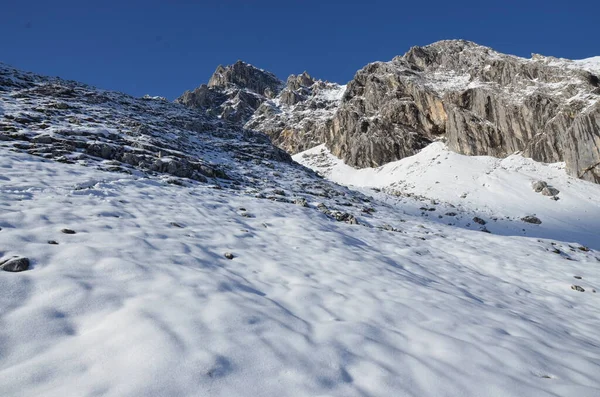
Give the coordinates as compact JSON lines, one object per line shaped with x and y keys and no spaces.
{"x":499,"y":191}
{"x":127,"y":207}
{"x":142,"y":302}
{"x":590,"y":64}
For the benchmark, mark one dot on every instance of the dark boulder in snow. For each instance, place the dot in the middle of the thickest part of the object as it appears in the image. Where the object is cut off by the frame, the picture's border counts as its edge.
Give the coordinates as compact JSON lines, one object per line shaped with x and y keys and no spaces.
{"x":15,"y":265}
{"x":531,"y":219}
{"x":479,"y":220}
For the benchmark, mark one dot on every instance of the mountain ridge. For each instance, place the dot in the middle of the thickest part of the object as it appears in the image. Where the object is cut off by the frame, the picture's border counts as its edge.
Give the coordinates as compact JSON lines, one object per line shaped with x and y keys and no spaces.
{"x":481,"y":101}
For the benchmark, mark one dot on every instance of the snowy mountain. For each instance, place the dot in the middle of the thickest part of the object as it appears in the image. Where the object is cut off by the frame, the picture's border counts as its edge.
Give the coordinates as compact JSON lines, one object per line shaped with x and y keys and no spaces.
{"x":167,"y":250}
{"x":481,"y":101}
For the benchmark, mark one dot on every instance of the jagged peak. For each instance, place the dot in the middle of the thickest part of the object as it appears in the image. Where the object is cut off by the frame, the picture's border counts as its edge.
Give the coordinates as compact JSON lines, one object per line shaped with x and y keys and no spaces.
{"x":246,"y":76}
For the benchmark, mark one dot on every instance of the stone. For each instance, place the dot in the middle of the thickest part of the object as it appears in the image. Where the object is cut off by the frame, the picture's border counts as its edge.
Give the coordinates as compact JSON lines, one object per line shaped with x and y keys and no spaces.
{"x":53,"y":242}
{"x":479,"y":220}
{"x":15,"y":265}
{"x":578,"y":277}
{"x":577,"y":288}
{"x":550,"y":191}
{"x":229,"y":255}
{"x":391,"y":110}
{"x":538,"y":186}
{"x":68,"y":231}
{"x":531,"y":219}
{"x":301,"y":202}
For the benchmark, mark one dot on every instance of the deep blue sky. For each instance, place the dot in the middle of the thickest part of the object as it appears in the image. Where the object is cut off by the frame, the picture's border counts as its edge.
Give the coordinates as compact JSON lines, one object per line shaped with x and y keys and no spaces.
{"x":166,"y":47}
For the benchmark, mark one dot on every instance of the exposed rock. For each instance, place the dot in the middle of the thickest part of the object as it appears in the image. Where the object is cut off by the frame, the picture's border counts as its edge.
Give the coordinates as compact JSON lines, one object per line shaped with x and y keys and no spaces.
{"x":68,"y":231}
{"x":301,"y":202}
{"x":481,"y":101}
{"x":577,"y":288}
{"x":53,"y":242}
{"x":479,"y":220}
{"x":15,"y":265}
{"x":550,"y":191}
{"x":243,"y":75}
{"x":531,"y":219}
{"x":229,"y":255}
{"x":233,"y":92}
{"x":538,"y":186}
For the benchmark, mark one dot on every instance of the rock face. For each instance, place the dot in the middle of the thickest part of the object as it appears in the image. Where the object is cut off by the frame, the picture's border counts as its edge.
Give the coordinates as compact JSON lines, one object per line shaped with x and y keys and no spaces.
{"x":298,"y":117}
{"x":233,"y":92}
{"x":480,"y":101}
{"x":72,"y":122}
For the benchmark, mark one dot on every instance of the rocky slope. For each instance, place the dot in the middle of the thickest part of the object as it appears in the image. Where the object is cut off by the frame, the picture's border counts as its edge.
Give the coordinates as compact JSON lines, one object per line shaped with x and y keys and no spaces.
{"x":293,"y":114}
{"x":480,"y":101}
{"x":74,"y":123}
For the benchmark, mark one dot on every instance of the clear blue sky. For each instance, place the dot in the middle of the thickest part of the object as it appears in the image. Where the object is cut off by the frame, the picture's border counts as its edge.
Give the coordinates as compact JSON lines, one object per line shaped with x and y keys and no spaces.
{"x":166,"y":47}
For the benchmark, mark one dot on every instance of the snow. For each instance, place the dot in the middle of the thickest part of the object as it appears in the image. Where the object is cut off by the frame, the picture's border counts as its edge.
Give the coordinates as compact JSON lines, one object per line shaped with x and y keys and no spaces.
{"x":412,"y":301}
{"x":492,"y":188}
{"x":590,"y":64}
{"x":134,"y":305}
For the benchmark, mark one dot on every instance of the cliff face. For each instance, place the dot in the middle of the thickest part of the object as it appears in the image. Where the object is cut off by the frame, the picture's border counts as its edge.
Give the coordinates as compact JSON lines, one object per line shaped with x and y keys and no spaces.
{"x":480,"y":101}
{"x":298,"y":117}
{"x":233,"y":92}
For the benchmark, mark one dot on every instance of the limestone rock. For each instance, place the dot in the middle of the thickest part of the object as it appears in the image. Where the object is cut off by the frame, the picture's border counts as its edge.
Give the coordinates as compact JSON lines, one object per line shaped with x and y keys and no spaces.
{"x":550,"y":191}
{"x":243,"y":75}
{"x":531,"y":219}
{"x":15,"y":265}
{"x":538,"y":186}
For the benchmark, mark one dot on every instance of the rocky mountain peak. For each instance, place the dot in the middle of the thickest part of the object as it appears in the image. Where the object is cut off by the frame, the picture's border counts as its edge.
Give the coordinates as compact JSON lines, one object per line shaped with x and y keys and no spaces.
{"x":482,"y":102}
{"x":242,"y":75}
{"x":295,"y":82}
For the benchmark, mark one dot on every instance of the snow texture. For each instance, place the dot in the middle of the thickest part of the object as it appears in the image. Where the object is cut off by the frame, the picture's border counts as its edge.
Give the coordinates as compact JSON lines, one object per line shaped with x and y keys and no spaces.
{"x":412,"y":300}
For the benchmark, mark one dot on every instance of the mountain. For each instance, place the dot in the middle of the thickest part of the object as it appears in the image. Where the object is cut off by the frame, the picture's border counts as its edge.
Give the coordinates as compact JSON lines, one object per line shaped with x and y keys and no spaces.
{"x":479,"y":101}
{"x":150,"y":248}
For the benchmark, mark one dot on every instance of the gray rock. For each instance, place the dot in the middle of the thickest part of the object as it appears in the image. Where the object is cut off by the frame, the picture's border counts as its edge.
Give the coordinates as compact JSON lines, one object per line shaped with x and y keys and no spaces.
{"x":229,"y":255}
{"x":68,"y":231}
{"x":301,"y":202}
{"x":243,"y":75}
{"x":531,"y":219}
{"x":15,"y":265}
{"x":550,"y":191}
{"x":481,"y":101}
{"x":577,"y":288}
{"x":479,"y":220}
{"x":538,"y":186}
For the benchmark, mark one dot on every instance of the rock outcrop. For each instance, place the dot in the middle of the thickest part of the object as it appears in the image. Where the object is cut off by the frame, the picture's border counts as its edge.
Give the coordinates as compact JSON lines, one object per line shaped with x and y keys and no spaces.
{"x":233,"y":92}
{"x":480,"y":101}
{"x":297,"y":118}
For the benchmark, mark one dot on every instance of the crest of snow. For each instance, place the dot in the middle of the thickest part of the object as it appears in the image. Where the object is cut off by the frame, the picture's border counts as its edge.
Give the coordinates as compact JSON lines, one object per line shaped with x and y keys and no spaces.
{"x":590,"y":64}
{"x":499,"y":188}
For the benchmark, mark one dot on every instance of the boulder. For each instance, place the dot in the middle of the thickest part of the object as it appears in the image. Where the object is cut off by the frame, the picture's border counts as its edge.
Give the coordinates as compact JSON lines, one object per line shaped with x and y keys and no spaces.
{"x":15,"y":265}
